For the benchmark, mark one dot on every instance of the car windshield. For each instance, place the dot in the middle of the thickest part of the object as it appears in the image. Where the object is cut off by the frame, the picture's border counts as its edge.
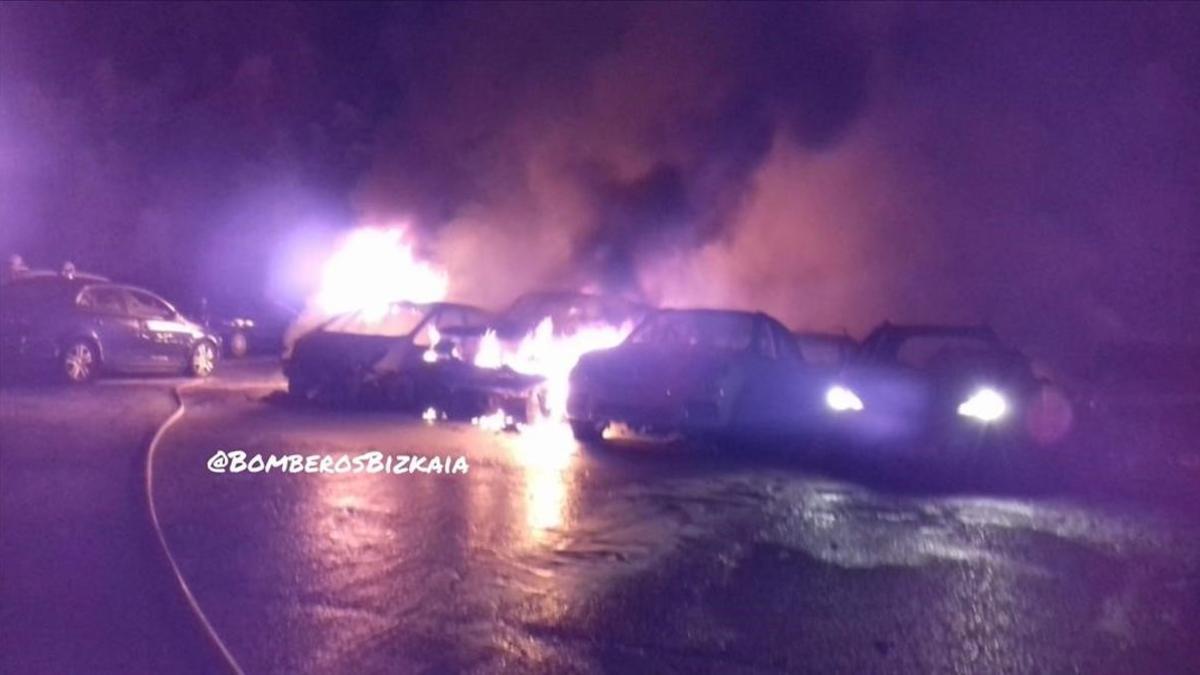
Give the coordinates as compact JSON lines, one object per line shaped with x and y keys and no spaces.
{"x":400,"y":320}
{"x":708,"y":330}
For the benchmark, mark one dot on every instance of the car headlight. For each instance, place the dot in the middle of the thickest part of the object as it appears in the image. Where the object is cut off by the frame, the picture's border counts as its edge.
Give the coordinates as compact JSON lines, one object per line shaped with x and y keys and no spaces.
{"x":841,"y":399}
{"x":985,"y":405}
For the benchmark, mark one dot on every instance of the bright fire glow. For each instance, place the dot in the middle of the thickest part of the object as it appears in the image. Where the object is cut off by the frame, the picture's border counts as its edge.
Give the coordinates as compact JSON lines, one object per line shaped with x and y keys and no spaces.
{"x":841,"y":399}
{"x":985,"y":405}
{"x":489,"y":354}
{"x":431,"y":355}
{"x":552,"y":356}
{"x":545,"y":451}
{"x":374,"y":267}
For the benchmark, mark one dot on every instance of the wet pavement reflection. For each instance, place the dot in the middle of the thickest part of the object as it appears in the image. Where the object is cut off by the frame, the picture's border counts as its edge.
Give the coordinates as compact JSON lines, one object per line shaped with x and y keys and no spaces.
{"x":547,"y":557}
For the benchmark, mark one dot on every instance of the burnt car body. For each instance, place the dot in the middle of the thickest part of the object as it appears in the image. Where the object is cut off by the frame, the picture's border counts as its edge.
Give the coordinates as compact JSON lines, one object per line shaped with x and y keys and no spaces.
{"x":410,"y":357}
{"x":458,"y":388}
{"x":938,"y":386}
{"x":699,"y":372}
{"x":82,"y":325}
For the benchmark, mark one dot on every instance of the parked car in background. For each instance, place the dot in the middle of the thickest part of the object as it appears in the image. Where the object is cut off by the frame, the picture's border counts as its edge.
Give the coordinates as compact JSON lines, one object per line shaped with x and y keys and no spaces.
{"x":247,"y":327}
{"x":81,"y":325}
{"x":945,"y":386}
{"x":699,"y":371}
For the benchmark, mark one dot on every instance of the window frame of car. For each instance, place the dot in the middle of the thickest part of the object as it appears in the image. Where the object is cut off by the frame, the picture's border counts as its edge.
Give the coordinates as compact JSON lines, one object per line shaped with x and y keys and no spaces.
{"x":786,"y":348}
{"x":133,"y":291}
{"x":90,"y":289}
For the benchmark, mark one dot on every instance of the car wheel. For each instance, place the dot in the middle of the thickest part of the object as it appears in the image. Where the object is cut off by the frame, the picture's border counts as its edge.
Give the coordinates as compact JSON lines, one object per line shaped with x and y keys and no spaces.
{"x":587,"y":432}
{"x":202,"y":360}
{"x":238,"y":345}
{"x":80,"y":361}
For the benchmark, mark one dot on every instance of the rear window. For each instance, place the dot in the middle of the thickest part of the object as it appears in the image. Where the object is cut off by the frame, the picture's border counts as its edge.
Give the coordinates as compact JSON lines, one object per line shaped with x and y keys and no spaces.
{"x":103,"y":299}
{"x":732,"y":332}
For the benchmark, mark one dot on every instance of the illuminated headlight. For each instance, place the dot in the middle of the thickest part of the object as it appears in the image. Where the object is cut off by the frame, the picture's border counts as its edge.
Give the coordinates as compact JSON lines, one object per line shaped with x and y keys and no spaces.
{"x":985,"y":405}
{"x":841,"y":399}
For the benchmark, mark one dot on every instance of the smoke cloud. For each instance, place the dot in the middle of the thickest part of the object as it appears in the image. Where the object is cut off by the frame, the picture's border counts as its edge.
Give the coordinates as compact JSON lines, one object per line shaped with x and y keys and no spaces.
{"x":1031,"y":166}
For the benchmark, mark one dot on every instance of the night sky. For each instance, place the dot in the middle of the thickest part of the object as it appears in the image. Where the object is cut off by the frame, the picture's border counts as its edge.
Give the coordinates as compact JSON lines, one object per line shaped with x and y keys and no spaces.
{"x":1032,"y":165}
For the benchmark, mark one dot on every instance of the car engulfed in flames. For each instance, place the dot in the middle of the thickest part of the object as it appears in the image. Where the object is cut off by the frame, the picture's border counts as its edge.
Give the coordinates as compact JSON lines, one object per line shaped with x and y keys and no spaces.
{"x":377,"y":334}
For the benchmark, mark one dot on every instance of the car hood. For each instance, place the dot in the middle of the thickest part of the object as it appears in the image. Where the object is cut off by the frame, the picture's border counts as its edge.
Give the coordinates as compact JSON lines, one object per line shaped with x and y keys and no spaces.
{"x":650,"y":365}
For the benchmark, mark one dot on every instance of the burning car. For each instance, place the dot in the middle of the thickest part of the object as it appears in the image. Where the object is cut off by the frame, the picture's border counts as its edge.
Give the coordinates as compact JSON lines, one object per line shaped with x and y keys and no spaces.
{"x":515,"y":368}
{"x":394,"y":354}
{"x":698,"y":371}
{"x":81,"y":325}
{"x":945,"y":385}
{"x":567,"y":311}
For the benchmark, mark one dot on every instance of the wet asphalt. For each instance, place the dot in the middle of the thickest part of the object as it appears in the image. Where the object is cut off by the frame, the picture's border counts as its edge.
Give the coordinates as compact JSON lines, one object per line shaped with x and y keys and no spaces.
{"x":548,"y":557}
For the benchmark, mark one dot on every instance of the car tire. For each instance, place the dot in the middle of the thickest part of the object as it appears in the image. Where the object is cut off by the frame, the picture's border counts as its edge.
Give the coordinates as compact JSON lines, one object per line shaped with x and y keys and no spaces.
{"x":239,"y":345}
{"x":202,"y":359}
{"x":587,"y":432}
{"x":79,"y":362}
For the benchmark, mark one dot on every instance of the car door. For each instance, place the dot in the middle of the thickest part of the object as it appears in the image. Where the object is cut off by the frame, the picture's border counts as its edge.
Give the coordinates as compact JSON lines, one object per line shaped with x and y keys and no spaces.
{"x":783,"y":381}
{"x":105,"y":314}
{"x":163,"y":337}
{"x":803,"y":383}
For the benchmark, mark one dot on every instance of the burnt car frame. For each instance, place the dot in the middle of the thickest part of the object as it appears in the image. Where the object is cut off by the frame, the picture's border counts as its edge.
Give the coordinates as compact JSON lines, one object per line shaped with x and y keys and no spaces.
{"x":699,"y":372}
{"x":83,"y":325}
{"x":460,"y":389}
{"x":410,"y":356}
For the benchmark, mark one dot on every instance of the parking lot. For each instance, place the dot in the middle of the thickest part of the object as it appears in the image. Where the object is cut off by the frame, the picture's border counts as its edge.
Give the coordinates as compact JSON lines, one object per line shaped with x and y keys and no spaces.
{"x":547,"y":557}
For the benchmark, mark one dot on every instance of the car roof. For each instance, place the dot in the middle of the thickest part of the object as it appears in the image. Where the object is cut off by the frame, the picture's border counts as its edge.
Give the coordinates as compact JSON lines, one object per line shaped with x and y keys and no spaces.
{"x":904,"y":331}
{"x":457,"y":305}
{"x":705,"y":311}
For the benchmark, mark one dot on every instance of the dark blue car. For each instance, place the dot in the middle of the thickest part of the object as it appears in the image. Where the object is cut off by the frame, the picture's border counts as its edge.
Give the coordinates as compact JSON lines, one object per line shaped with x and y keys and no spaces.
{"x":79,"y":326}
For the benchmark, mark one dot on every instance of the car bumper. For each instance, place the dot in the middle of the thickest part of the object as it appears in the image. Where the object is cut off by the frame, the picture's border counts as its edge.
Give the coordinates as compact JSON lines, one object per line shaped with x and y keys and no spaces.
{"x":645,"y":413}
